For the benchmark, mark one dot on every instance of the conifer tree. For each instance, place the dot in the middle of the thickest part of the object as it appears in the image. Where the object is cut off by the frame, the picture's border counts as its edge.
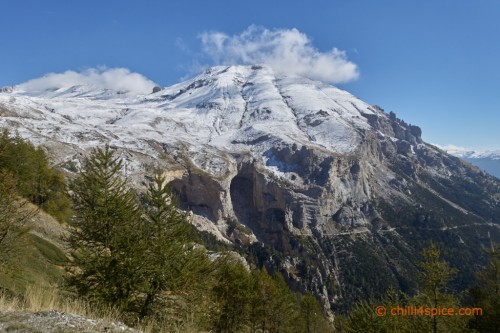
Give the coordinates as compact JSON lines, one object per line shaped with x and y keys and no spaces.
{"x":104,"y":231}
{"x":34,"y":178}
{"x":436,"y":274}
{"x":486,"y":294}
{"x":271,"y":303}
{"x":232,"y":292}
{"x":264,"y":294}
{"x":362,"y":318}
{"x":135,"y":256}
{"x":170,"y":261}
{"x":285,"y":314}
{"x":434,"y":294}
{"x":311,"y":313}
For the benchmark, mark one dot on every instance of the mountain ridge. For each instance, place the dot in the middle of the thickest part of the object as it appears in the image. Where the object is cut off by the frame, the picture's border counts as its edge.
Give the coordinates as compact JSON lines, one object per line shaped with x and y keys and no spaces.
{"x":487,"y":160}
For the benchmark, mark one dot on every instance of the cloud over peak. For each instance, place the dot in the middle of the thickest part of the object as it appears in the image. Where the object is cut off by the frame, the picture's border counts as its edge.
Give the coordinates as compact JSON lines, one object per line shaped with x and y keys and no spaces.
{"x":285,"y":50}
{"x":117,"y":79}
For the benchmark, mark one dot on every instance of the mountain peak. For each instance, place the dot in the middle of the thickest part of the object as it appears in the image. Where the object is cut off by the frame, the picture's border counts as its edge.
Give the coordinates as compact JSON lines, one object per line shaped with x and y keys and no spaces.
{"x":225,"y":106}
{"x":243,"y":102}
{"x":88,"y":91}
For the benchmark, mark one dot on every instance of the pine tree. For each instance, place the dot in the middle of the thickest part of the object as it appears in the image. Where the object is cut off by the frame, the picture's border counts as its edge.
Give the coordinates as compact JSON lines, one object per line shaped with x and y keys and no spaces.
{"x":35,"y":179}
{"x":232,"y":293}
{"x":263,"y":302}
{"x":137,"y":257}
{"x":435,"y":276}
{"x":285,"y":307}
{"x":362,"y":318}
{"x":104,"y":232}
{"x":312,"y":315}
{"x":170,"y":261}
{"x":272,"y":306}
{"x":486,"y":294}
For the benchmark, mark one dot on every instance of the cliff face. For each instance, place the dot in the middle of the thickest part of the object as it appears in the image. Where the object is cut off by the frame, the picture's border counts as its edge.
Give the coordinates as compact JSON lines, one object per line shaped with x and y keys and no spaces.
{"x":345,"y":225}
{"x":303,"y":177}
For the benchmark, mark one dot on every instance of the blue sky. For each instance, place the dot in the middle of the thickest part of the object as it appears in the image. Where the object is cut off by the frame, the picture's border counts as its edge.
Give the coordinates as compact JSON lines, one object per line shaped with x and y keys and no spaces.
{"x":435,"y":63}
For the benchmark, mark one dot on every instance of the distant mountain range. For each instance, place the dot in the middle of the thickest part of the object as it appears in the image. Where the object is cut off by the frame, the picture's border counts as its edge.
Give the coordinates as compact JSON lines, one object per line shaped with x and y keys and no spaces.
{"x":488,"y":160}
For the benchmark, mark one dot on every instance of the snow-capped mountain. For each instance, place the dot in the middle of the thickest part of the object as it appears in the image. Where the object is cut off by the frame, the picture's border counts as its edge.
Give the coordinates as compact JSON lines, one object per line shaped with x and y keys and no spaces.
{"x":487,"y":160}
{"x":224,"y":108}
{"x":335,"y":187}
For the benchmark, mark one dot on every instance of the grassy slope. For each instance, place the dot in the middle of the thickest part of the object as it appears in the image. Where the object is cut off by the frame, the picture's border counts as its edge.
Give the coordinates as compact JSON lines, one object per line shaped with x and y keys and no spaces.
{"x":41,"y":261}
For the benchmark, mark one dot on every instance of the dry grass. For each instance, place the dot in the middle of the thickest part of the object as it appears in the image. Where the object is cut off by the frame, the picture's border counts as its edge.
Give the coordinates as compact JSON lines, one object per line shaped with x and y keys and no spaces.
{"x":187,"y":326}
{"x":44,"y":299}
{"x":9,"y":303}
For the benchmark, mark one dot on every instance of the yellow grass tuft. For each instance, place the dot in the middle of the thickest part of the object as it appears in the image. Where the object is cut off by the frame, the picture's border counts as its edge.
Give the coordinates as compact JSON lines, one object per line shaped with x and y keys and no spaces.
{"x":37,"y":299}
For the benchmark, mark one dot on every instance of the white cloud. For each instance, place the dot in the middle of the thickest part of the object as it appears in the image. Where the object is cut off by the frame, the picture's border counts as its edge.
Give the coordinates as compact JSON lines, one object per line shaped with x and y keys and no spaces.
{"x":452,"y":147}
{"x":118,"y":79}
{"x":285,"y":50}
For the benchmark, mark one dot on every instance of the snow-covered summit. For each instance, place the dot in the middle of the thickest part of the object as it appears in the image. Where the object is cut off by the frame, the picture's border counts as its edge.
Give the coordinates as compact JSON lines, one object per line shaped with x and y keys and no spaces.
{"x":227,"y":108}
{"x":76,"y":91}
{"x":487,"y":160}
{"x":470,"y":153}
